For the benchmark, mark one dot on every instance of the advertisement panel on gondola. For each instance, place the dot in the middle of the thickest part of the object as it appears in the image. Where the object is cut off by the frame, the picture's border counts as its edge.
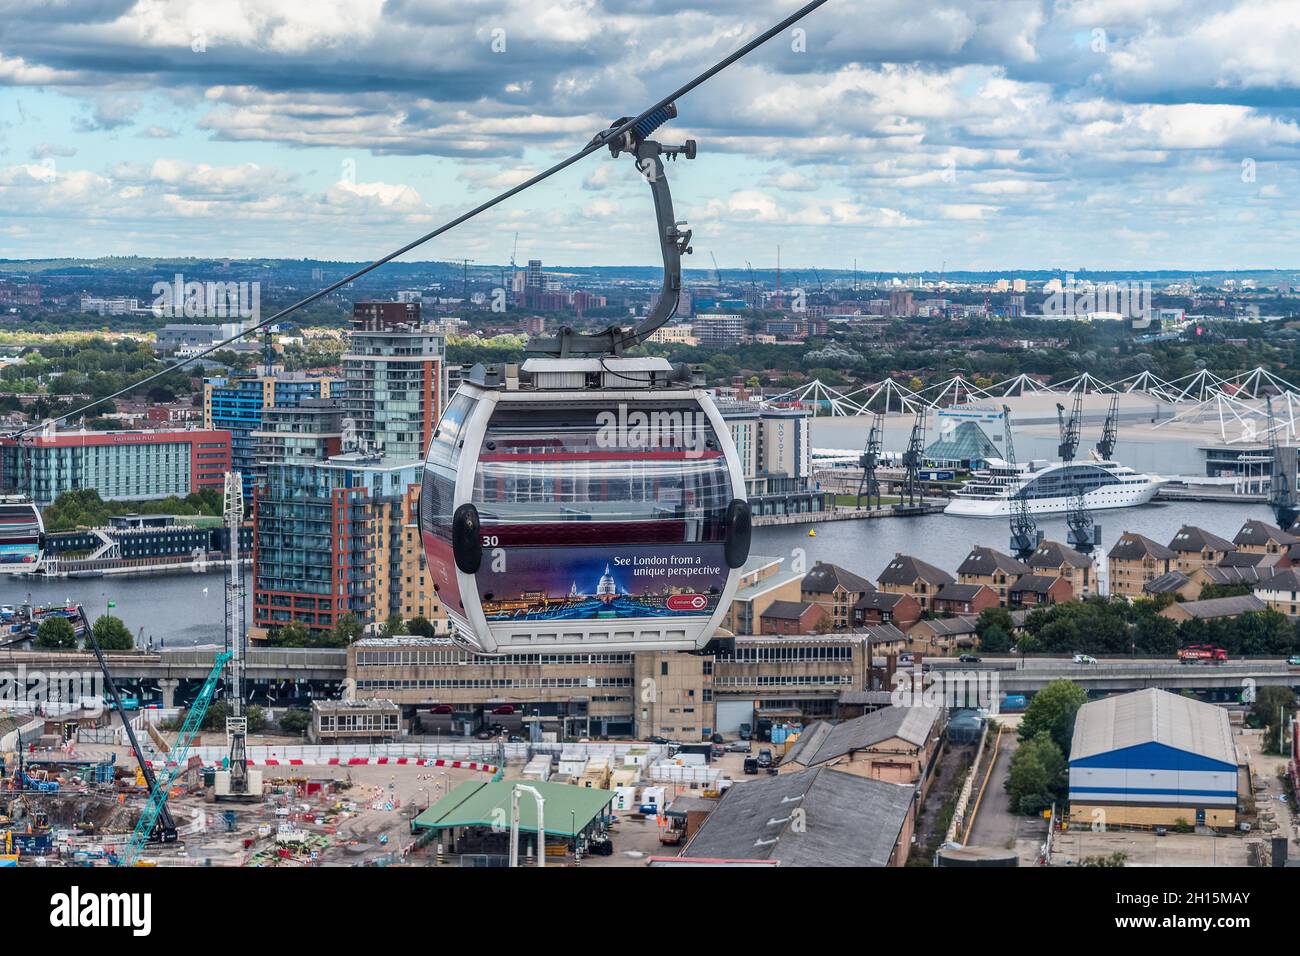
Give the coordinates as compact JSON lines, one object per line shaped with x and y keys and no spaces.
{"x":627,"y":582}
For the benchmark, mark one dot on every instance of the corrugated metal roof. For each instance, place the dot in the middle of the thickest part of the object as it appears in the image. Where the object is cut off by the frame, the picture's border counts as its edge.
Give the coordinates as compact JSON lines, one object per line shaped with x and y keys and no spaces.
{"x":1153,"y":716}
{"x":845,"y":820}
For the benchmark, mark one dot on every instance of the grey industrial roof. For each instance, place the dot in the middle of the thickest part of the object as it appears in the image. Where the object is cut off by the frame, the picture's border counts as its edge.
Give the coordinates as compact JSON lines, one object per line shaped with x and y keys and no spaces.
{"x":1132,"y":546}
{"x":905,"y":569}
{"x":1173,"y":581}
{"x":881,"y":697}
{"x":846,"y":820}
{"x":1224,"y":606}
{"x":1191,"y":538}
{"x":982,"y":560}
{"x":825,"y":578}
{"x":1153,"y":716}
{"x":822,"y":741}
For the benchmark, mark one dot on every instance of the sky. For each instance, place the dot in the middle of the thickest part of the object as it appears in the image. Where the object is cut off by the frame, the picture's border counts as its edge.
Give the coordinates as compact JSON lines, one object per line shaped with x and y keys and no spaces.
{"x":1098,"y":134}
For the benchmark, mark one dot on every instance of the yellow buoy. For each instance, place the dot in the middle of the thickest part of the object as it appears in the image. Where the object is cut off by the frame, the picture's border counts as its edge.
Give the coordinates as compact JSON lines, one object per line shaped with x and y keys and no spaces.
{"x":812,"y":533}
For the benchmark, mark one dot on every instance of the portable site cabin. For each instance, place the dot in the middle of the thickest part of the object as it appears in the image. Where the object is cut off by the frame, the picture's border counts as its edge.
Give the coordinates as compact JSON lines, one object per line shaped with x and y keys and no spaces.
{"x":624,"y":777}
{"x":597,"y":774}
{"x":652,"y":800}
{"x":625,"y":798}
{"x":573,"y":763}
{"x":539,"y":768}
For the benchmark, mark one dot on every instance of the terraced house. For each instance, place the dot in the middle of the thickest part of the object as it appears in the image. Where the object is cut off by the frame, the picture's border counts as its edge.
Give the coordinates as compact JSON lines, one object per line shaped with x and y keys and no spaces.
{"x":993,"y":569}
{"x":912,"y":576}
{"x":1197,"y":548}
{"x":1135,"y":561}
{"x":1053,"y":559}
{"x":835,"y":590}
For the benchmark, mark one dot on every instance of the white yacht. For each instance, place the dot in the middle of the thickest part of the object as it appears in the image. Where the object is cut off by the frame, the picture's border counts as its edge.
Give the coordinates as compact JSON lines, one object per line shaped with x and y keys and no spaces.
{"x":1049,"y":486}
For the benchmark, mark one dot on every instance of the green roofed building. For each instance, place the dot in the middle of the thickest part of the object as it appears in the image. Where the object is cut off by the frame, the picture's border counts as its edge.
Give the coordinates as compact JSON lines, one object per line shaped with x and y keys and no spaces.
{"x":476,"y":815}
{"x":966,"y":446}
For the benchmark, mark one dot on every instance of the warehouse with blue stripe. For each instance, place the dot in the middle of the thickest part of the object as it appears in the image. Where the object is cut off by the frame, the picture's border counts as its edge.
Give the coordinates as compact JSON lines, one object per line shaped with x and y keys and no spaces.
{"x":1152,"y":758}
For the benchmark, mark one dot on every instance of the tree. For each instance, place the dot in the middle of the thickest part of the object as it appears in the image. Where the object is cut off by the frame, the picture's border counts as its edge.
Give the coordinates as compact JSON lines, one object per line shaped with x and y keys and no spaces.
{"x":393,"y":627}
{"x":293,"y":634}
{"x":219,"y":710}
{"x":992,"y":616}
{"x":1052,"y":711}
{"x":56,"y":634}
{"x":995,"y":640}
{"x":112,"y":635}
{"x":346,"y":630}
{"x":1273,"y":705}
{"x":421,"y":627}
{"x":1037,"y":776}
{"x":295,"y":722}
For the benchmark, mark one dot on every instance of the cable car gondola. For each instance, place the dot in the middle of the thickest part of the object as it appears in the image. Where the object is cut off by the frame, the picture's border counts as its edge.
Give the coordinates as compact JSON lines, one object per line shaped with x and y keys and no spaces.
{"x":22,"y":535}
{"x":584,"y":499}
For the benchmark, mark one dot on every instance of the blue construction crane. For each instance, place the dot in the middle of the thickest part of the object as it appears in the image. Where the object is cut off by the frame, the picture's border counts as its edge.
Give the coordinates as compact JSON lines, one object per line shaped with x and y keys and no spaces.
{"x":176,"y":763}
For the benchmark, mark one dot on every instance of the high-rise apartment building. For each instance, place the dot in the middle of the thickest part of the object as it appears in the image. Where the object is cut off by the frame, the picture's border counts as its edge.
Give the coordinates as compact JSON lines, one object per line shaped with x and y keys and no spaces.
{"x":239,"y":404}
{"x":394,"y":388}
{"x":338,"y":537}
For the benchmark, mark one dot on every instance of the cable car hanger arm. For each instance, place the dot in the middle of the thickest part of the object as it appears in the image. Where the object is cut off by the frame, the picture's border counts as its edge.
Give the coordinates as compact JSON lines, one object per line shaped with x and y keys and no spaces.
{"x":648,"y":120}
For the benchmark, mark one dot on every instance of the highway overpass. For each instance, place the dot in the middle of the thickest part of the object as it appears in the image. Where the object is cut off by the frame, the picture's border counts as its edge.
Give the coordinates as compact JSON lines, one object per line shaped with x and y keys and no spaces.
{"x":1116,"y":675}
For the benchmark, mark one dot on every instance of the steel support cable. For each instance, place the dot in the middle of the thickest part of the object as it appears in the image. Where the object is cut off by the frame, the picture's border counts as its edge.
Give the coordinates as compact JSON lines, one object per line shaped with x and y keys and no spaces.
{"x":656,"y":115}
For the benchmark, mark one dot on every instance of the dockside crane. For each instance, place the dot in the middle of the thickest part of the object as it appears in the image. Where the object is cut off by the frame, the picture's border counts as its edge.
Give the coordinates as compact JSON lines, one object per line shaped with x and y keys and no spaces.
{"x":1083,"y":534}
{"x":1110,"y":430}
{"x":1024,"y":529}
{"x":870,"y":460}
{"x":912,"y":496}
{"x":1282,"y":492}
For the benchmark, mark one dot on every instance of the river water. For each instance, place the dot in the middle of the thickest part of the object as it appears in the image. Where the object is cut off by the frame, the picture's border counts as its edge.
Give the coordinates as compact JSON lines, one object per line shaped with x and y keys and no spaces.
{"x":186,"y":609}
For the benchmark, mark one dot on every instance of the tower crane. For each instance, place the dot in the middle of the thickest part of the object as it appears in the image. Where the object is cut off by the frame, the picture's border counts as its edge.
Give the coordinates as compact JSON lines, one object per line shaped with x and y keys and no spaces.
{"x":236,"y":637}
{"x":1281,"y":494}
{"x":870,"y":460}
{"x":716,"y":271}
{"x":1024,"y":536}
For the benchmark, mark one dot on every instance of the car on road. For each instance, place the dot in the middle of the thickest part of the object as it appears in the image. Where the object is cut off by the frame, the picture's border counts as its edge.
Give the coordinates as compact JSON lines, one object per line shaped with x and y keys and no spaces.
{"x":1084,"y":659}
{"x":751,"y":765}
{"x":765,"y":758}
{"x":660,"y":740}
{"x":717,"y":739}
{"x":746,"y":732}
{"x":1293,"y":660}
{"x":969,"y":659}
{"x":738,"y":747}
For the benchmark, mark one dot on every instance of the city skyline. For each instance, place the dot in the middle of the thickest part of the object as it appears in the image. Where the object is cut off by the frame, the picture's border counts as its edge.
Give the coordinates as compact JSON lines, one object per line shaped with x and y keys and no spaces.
{"x":1077,"y":136}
